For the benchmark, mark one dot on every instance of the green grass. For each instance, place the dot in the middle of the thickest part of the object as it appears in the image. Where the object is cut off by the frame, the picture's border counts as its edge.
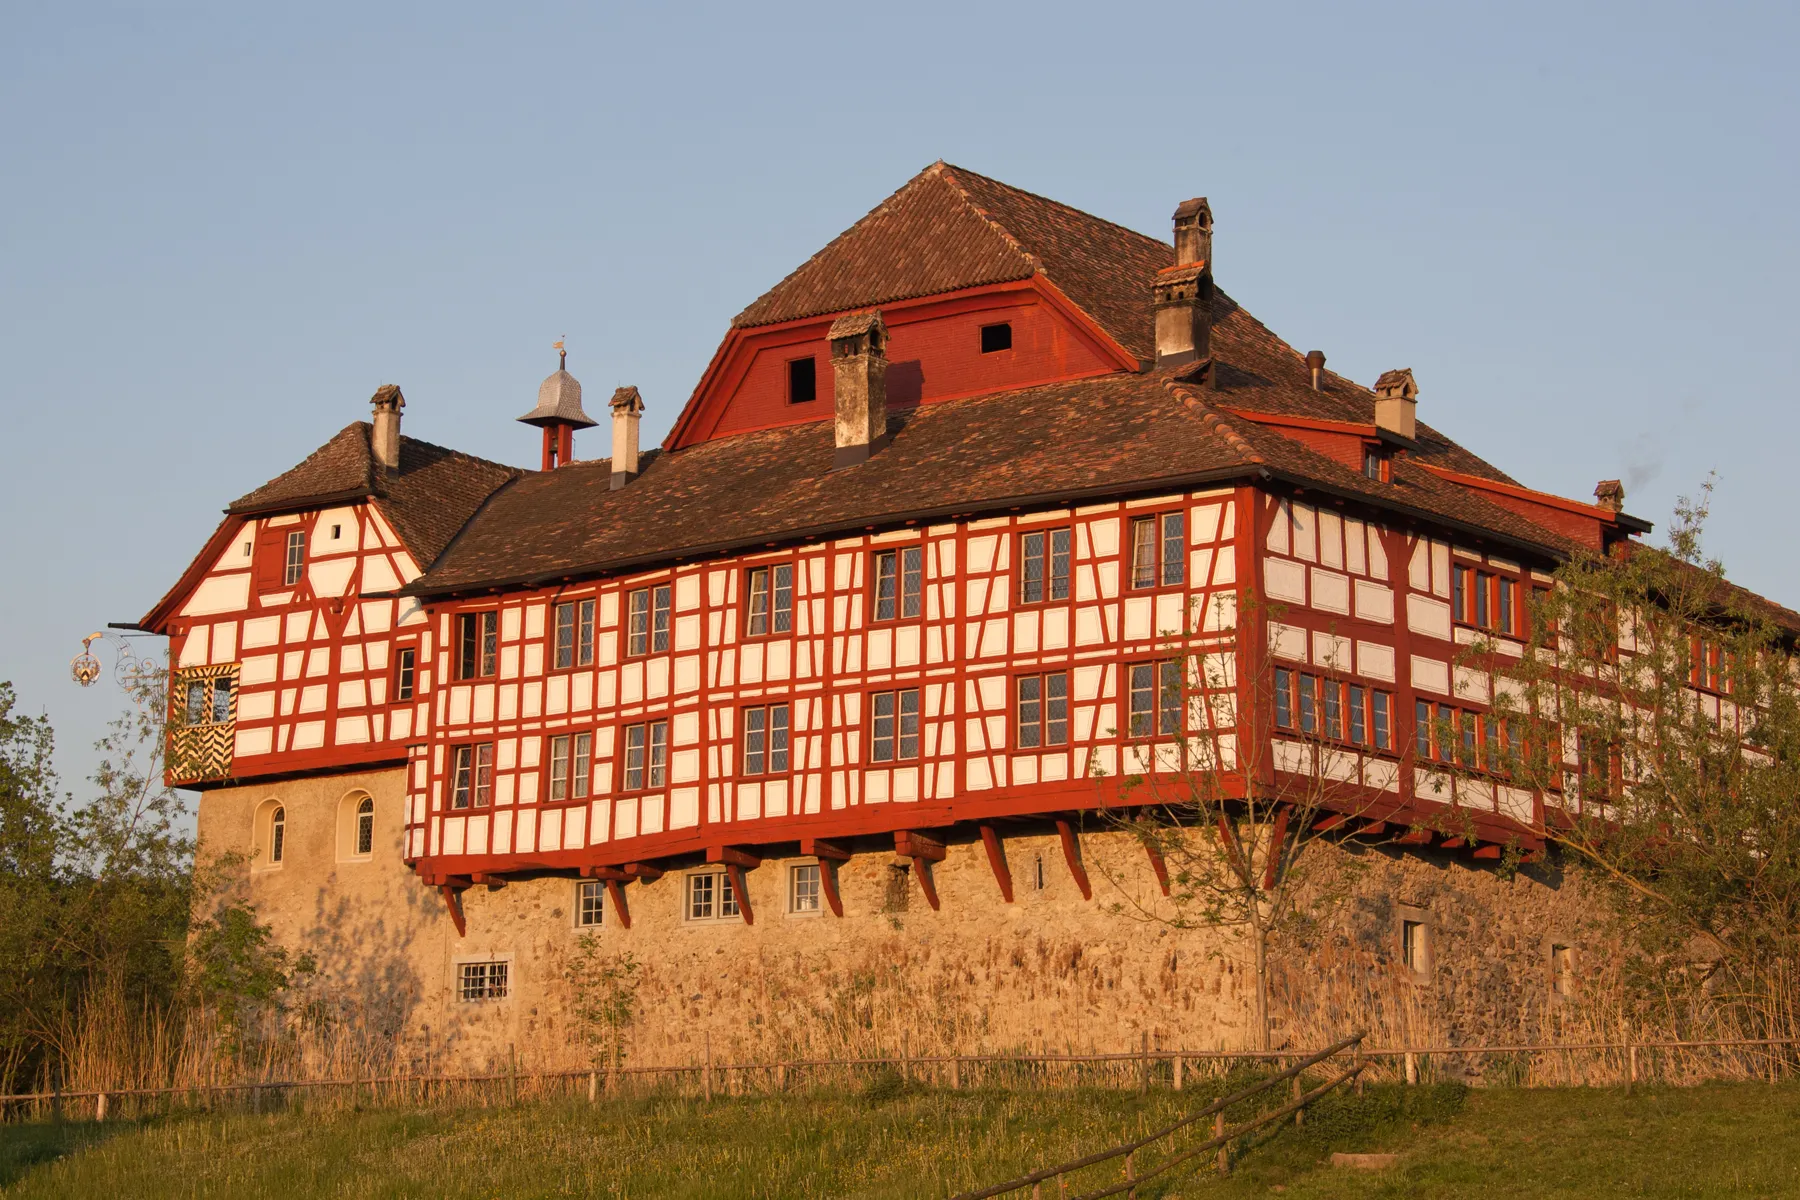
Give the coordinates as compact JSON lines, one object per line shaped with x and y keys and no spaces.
{"x":888,"y":1141}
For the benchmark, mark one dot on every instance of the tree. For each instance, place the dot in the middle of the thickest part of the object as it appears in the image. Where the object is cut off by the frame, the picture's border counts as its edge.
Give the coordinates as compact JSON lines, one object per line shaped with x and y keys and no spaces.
{"x":1233,"y":779}
{"x":605,"y":998}
{"x":1657,"y":709}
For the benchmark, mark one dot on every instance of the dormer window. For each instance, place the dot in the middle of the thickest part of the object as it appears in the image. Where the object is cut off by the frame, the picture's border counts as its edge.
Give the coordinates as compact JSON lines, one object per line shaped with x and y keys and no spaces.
{"x":995,"y":338}
{"x":803,"y":380}
{"x":1378,"y":463}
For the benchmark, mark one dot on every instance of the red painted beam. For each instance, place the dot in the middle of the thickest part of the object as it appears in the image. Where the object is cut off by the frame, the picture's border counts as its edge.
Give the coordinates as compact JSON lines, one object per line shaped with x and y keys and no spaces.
{"x":1072,"y":855}
{"x":828,"y":883}
{"x":926,"y":883}
{"x":732,"y":856}
{"x":916,"y":845}
{"x":1275,"y":842}
{"x":1334,"y":821}
{"x":996,"y":854}
{"x":1159,"y":866}
{"x":453,"y":902}
{"x":615,"y":891}
{"x":643,"y":871}
{"x":611,"y":874}
{"x":1372,"y":829}
{"x":1487,"y":852}
{"x":736,"y":871}
{"x":1417,"y":837}
{"x":820,"y":848}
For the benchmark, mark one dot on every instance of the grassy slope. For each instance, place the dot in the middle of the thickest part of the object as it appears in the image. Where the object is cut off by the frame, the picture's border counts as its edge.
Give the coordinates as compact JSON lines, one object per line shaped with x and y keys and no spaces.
{"x":1715,"y":1141}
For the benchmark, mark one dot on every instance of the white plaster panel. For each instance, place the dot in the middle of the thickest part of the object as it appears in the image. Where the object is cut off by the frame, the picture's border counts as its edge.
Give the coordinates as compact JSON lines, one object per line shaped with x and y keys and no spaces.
{"x":1427,"y":616}
{"x":1278,"y":540}
{"x":261,"y":631}
{"x":1284,"y":579}
{"x":251,"y":742}
{"x":1331,"y":591}
{"x":1431,"y":675}
{"x":1287,"y":641}
{"x":1374,"y":602}
{"x":218,"y":594}
{"x":1331,"y":652}
{"x":1375,"y":660}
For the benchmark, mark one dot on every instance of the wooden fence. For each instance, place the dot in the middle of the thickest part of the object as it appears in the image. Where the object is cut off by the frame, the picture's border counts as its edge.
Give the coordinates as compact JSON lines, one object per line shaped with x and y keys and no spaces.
{"x":1541,"y":1064}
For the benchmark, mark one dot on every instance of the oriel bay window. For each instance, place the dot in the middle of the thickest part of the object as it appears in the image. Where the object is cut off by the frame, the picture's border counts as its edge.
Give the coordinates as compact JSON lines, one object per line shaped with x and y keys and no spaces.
{"x":208,"y":701}
{"x":766,"y":739}
{"x":894,"y":725}
{"x":472,"y":775}
{"x":477,"y":644}
{"x":647,"y":620}
{"x":770,"y":597}
{"x":646,"y":755}
{"x":1474,"y":741}
{"x":1043,"y":566}
{"x":571,"y":765}
{"x":1334,"y":709}
{"x":574,"y":635}
{"x":1155,"y":698}
{"x":1043,"y":710}
{"x":1159,"y":550}
{"x":899,"y":583}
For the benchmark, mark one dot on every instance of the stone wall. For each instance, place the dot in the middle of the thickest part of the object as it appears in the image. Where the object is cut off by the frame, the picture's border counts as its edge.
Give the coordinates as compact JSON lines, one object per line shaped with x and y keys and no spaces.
{"x":1050,"y":971}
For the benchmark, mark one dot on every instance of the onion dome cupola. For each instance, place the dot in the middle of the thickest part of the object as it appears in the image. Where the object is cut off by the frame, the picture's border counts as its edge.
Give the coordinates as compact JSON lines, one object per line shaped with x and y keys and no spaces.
{"x":558,"y":413}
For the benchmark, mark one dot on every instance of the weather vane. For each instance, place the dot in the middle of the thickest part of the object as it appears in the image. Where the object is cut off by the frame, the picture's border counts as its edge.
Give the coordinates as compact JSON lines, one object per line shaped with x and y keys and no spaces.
{"x":562,"y":352}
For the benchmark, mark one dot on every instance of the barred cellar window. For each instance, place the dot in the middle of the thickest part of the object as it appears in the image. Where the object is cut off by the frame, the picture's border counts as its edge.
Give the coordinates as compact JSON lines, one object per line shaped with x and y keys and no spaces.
{"x":477,"y":981}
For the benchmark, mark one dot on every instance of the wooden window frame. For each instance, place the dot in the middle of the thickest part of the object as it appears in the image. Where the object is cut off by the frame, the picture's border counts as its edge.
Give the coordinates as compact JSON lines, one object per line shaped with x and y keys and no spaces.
{"x":898,"y":716}
{"x":582,"y":613}
{"x":1484,"y":600}
{"x":1378,"y":463}
{"x":787,"y":382}
{"x":1345,"y":712}
{"x":293,"y":561}
{"x":649,"y":766}
{"x":659,"y":620}
{"x":721,"y":898}
{"x":406,"y":672}
{"x":590,"y":901}
{"x":805,"y":882}
{"x":474,"y":794}
{"x":906,"y":607}
{"x":483,"y":981}
{"x":1007,"y":326}
{"x":477,"y":644}
{"x":1168,"y":703}
{"x":1046,"y":556}
{"x":363,"y":831}
{"x":569,"y":760}
{"x":766,"y":754}
{"x":776,"y":620}
{"x":1167,"y":527}
{"x":1039,"y":722}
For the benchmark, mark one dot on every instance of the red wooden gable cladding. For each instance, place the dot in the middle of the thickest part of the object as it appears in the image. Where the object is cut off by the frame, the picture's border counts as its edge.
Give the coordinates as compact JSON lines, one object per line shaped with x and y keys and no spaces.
{"x":934,"y":353}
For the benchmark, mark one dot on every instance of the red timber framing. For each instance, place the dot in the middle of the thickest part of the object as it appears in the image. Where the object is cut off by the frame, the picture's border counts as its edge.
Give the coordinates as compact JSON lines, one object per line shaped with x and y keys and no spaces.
{"x":284,"y":598}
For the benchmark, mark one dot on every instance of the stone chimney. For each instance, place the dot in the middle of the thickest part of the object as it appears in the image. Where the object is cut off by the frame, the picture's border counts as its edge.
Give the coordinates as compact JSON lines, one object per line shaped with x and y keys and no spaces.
{"x":1610,"y":495}
{"x":1315,"y":363}
{"x":859,"y":366}
{"x":1182,"y":294}
{"x":627,"y":407}
{"x":384,"y":441}
{"x":1397,"y":403}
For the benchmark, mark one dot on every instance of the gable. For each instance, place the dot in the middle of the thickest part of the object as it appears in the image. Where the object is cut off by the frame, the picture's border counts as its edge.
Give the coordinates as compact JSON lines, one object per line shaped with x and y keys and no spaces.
{"x":935,"y":353}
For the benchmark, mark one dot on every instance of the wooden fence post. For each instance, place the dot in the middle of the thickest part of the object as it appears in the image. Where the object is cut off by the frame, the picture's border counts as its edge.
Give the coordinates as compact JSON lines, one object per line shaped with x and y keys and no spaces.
{"x":1224,"y":1151}
{"x":1631,"y":1069}
{"x":706,"y":1074}
{"x":1359,"y":1073}
{"x":100,"y":1107}
{"x":593,"y":1087}
{"x":1412,"y":1067}
{"x":1177,"y":1072}
{"x":1299,"y":1113}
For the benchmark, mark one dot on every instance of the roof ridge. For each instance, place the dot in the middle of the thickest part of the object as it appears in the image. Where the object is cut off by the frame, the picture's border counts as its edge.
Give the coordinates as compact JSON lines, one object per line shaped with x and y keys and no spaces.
{"x":463,"y":454}
{"x":1218,"y":425}
{"x":1054,"y":203}
{"x":947,"y":173}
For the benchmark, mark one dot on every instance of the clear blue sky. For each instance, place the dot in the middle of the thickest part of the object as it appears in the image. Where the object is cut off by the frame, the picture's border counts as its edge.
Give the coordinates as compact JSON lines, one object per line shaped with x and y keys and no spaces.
{"x":222,"y":227}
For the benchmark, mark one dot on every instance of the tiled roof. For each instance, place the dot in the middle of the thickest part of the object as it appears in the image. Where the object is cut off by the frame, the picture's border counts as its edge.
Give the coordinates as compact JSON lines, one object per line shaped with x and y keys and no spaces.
{"x":430,"y":498}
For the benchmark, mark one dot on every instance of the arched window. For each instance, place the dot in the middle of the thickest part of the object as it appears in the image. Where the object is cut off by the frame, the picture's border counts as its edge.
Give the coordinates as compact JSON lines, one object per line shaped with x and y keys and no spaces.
{"x":365,"y":826}
{"x":277,"y":834}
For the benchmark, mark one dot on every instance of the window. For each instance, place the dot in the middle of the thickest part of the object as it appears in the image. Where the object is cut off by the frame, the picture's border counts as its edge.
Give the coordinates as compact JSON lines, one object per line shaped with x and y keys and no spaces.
{"x":1415,"y":946}
{"x":574,"y":645}
{"x":894,"y":725}
{"x":803,"y":888}
{"x":590,"y":903}
{"x":295,"y":564}
{"x":710,"y":896}
{"x":646,"y":755}
{"x":1335,"y":709}
{"x":1708,"y":669}
{"x":1043,"y":710}
{"x":1043,"y":566}
{"x":899,"y":583}
{"x":766,"y":739}
{"x":406,"y":660}
{"x":647,"y":621}
{"x":1378,"y":463}
{"x":472,"y":776}
{"x":571,"y":765}
{"x":1474,"y":741}
{"x":209,"y":701}
{"x":365,"y":827}
{"x":1155,"y":698}
{"x":1482,"y":599}
{"x":1595,"y":756}
{"x":477,"y":644}
{"x":337,"y":531}
{"x":803,"y":380}
{"x":995,"y":338}
{"x":1159,"y":550}
{"x":770,"y":593}
{"x":477,"y":981}
{"x":277,"y":834}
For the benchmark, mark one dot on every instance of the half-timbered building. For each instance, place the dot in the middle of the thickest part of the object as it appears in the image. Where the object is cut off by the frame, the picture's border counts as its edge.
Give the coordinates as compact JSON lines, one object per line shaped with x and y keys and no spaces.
{"x":870,"y":638}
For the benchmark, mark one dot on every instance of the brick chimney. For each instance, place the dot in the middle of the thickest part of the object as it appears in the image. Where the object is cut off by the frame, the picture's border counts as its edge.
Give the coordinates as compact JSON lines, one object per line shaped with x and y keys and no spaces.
{"x":859,"y":366}
{"x":384,"y":441}
{"x":627,"y":406}
{"x":1397,"y":403}
{"x":1182,"y":294}
{"x":1610,"y":495}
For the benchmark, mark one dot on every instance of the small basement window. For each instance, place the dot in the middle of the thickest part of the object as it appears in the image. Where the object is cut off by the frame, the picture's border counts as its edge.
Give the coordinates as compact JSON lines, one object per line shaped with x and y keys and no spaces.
{"x":803,"y":381}
{"x":996,"y":337}
{"x":1415,"y":947}
{"x":590,"y":904}
{"x":477,"y":981}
